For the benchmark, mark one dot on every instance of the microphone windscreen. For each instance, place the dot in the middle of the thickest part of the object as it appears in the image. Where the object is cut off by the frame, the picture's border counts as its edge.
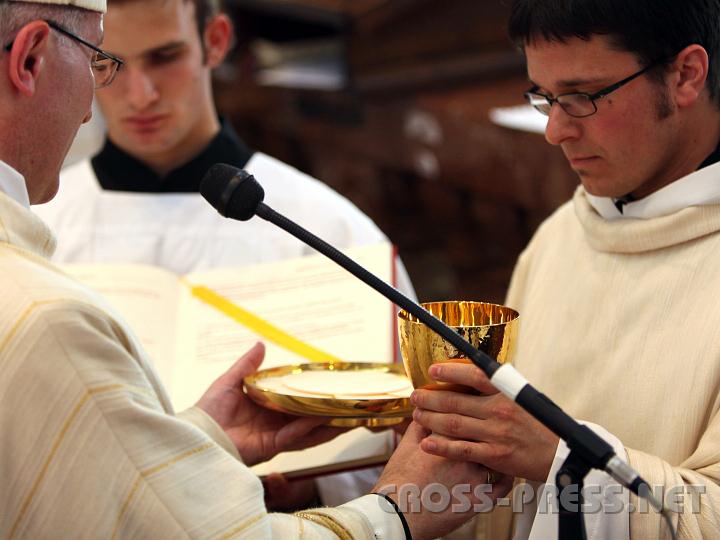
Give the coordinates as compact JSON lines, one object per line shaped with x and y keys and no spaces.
{"x":232,"y":192}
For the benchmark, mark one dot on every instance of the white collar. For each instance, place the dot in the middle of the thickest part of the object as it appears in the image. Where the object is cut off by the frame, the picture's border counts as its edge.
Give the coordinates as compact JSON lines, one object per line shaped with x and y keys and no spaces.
{"x":13,"y":185}
{"x":699,"y":188}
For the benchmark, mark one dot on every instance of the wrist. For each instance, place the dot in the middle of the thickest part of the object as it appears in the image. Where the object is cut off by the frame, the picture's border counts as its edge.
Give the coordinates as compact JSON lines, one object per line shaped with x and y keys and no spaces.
{"x":551,"y":450}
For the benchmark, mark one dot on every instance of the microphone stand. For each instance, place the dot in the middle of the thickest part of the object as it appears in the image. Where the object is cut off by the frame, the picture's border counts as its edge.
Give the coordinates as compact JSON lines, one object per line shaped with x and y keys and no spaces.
{"x":569,"y":480}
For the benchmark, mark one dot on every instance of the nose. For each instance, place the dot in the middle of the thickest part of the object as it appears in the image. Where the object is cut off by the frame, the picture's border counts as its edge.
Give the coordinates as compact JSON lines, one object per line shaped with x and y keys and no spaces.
{"x":140,"y":89}
{"x":561,"y":127}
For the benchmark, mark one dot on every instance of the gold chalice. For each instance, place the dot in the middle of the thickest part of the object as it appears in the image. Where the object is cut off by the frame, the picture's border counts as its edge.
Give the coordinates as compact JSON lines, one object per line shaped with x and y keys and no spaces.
{"x":492,"y":328}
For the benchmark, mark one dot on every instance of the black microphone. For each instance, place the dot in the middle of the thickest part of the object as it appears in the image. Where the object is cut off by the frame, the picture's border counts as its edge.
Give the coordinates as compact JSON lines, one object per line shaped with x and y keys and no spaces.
{"x":232,"y":192}
{"x":237,"y":195}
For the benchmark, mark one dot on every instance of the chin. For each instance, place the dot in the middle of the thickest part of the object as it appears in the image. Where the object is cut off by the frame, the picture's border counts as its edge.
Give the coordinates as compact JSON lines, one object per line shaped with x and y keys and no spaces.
{"x":599,"y":187}
{"x":144,"y":147}
{"x":48,"y":194}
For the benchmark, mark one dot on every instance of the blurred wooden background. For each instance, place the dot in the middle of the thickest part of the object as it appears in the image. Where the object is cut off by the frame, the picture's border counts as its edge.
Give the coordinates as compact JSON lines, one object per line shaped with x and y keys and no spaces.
{"x":387,"y":101}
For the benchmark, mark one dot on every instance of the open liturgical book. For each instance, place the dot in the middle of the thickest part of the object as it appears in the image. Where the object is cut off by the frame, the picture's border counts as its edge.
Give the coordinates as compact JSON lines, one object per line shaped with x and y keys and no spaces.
{"x":186,"y":329}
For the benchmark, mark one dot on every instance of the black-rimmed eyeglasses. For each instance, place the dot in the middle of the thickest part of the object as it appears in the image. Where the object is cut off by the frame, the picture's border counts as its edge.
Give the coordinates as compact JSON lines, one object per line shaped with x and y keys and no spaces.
{"x":578,"y":104}
{"x":103,"y":64}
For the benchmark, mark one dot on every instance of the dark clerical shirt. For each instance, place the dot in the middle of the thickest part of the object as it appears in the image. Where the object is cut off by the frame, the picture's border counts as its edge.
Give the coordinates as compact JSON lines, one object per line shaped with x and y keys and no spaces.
{"x":119,"y":171}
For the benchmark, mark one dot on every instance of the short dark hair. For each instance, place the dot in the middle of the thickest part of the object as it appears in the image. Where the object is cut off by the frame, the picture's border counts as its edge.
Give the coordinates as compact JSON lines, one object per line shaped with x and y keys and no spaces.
{"x":654,"y":30}
{"x":204,"y":11}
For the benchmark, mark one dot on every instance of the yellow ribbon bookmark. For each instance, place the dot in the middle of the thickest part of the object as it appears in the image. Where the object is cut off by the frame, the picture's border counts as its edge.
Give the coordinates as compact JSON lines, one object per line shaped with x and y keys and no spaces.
{"x":260,"y":326}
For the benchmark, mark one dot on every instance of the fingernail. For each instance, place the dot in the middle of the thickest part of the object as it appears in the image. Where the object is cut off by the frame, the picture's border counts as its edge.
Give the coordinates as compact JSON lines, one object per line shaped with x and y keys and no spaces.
{"x":417,"y":414}
{"x":430,"y":445}
{"x":435,"y":371}
{"x":413,"y":398}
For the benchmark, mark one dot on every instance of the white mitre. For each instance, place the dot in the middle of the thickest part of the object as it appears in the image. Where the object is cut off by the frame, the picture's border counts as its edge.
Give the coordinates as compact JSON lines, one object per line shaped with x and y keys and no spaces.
{"x":92,"y":5}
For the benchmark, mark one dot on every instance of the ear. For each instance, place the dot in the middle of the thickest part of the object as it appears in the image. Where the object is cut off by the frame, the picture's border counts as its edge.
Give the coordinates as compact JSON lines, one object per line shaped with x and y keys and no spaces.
{"x":217,"y":37}
{"x":690,"y":75}
{"x":27,"y":56}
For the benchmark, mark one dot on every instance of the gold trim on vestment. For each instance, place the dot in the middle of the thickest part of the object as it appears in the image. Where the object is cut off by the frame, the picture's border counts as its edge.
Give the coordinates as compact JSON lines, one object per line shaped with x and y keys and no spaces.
{"x":21,"y":320}
{"x":125,"y":506}
{"x":193,"y":451}
{"x":327,"y":522}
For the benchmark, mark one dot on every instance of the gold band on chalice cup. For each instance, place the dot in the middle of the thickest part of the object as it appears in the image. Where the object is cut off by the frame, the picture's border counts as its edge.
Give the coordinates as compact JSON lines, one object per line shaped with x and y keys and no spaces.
{"x":492,"y":328}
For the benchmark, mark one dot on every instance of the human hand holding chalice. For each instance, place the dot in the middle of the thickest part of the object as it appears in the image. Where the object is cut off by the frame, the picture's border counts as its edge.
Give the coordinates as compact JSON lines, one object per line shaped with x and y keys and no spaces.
{"x":491,"y":328}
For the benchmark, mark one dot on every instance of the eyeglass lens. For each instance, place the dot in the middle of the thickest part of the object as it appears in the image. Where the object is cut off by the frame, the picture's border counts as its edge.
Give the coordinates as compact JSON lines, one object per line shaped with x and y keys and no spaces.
{"x":104,"y":70}
{"x":577,"y":105}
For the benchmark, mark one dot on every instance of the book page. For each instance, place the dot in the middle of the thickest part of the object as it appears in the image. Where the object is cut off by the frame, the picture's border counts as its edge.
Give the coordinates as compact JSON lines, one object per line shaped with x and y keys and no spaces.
{"x":147,"y":298}
{"x":310,"y":298}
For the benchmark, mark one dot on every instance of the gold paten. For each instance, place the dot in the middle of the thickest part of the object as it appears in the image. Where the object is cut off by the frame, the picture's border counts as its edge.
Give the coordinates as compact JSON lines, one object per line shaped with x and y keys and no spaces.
{"x":492,"y":328}
{"x":340,"y":411}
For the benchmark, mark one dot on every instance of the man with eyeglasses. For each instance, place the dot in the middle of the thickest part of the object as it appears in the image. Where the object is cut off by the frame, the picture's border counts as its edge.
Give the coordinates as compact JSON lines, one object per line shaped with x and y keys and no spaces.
{"x":91,"y":447}
{"x":617,"y":289}
{"x":164,"y":133}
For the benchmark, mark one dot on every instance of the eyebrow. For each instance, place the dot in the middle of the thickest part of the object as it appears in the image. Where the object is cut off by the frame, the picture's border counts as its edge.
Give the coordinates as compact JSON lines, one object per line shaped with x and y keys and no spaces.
{"x":166,"y":47}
